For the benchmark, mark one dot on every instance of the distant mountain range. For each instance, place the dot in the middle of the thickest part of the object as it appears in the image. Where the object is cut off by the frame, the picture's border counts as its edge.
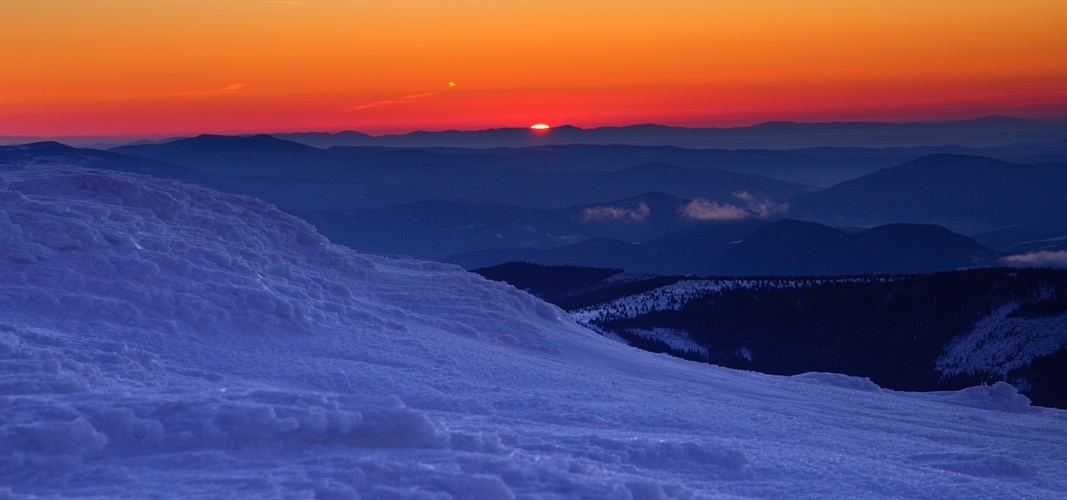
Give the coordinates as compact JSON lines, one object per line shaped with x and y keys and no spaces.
{"x":753,"y":247}
{"x":651,"y":208}
{"x":981,"y":132}
{"x":433,"y":229}
{"x":54,"y":152}
{"x":695,"y":250}
{"x":965,"y":193}
{"x":984,"y":133}
{"x":792,"y":247}
{"x":354,"y":178}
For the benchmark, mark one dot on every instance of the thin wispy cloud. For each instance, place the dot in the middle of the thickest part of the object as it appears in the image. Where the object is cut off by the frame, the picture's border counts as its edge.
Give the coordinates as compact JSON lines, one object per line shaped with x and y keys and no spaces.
{"x":233,"y":87}
{"x":387,"y":102}
{"x":760,"y":205}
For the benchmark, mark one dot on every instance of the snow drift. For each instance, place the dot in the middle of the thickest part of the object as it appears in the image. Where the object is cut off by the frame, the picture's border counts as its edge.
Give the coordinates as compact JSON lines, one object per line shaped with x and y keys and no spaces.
{"x":159,"y":339}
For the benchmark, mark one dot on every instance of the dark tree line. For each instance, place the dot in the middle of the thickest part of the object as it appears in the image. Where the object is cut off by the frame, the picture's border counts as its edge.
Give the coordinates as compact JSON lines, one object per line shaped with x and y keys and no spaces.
{"x":891,"y":329}
{"x":888,"y":328}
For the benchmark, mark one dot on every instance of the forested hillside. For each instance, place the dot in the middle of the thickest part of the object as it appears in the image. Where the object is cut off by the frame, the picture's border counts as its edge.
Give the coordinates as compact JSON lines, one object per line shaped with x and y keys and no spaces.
{"x":919,"y":332}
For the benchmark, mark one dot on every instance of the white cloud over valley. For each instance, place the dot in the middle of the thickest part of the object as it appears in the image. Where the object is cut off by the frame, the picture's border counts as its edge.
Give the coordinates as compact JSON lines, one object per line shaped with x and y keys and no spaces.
{"x":702,"y":209}
{"x":1042,"y":258}
{"x":609,"y":213}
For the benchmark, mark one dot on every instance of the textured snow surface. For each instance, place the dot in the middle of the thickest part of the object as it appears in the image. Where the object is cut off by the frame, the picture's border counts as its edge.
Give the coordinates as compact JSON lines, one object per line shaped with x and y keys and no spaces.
{"x":162,"y":340}
{"x":1002,"y":342}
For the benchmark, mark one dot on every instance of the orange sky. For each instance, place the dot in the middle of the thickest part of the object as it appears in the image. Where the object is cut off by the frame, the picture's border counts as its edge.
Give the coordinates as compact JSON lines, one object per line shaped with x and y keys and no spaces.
{"x":156,"y":68}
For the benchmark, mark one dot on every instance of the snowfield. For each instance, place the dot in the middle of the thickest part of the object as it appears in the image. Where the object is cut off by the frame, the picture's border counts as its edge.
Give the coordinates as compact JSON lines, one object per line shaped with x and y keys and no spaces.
{"x":164,"y":340}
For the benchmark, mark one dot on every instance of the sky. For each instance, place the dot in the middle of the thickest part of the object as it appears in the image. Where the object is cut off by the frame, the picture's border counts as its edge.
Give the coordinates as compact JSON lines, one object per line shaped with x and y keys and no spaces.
{"x":158,"y":68}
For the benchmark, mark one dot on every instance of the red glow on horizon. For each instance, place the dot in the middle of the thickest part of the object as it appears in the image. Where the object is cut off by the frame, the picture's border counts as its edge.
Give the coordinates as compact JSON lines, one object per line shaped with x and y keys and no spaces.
{"x":130,"y":68}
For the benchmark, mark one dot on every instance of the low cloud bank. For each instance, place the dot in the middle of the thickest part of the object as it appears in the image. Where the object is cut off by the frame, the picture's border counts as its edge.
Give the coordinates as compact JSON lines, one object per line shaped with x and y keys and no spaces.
{"x":1043,"y":258}
{"x":763,"y":207}
{"x":607,"y":213}
{"x":701,"y":209}
{"x":754,"y":206}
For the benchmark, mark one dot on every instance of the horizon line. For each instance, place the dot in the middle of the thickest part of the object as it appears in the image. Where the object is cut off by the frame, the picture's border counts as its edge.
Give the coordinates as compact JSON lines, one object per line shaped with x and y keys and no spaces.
{"x":8,"y":140}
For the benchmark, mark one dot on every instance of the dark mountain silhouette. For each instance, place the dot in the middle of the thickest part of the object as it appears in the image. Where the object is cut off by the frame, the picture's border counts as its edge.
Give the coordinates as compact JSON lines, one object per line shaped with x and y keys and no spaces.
{"x":789,"y":166}
{"x":1020,"y":152}
{"x":1008,"y":206}
{"x":792,"y":247}
{"x":433,"y":229}
{"x":1025,"y":238}
{"x":713,"y":184}
{"x":822,"y":166}
{"x":558,"y":282}
{"x":981,"y":132}
{"x":301,"y":177}
{"x":789,"y":247}
{"x":233,"y":155}
{"x":54,"y":152}
{"x":753,"y":247}
{"x":697,"y":249}
{"x":693,"y":250}
{"x":965,"y":193}
{"x":419,"y":203}
{"x":580,"y":158}
{"x":594,"y":252}
{"x":326,"y":140}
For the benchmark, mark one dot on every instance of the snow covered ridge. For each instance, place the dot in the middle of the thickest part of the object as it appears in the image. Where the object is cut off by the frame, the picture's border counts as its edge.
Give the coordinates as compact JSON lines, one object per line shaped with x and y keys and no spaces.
{"x":1002,"y":342}
{"x":177,"y":258}
{"x":672,"y":297}
{"x":158,"y":339}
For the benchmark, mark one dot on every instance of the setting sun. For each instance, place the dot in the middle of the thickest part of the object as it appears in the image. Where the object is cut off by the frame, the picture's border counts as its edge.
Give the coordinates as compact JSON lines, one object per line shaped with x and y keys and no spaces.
{"x":128,"y":67}
{"x":540,"y":126}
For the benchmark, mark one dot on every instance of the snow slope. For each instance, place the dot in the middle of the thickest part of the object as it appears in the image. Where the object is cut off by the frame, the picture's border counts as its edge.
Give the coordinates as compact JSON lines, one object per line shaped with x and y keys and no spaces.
{"x":164,"y":340}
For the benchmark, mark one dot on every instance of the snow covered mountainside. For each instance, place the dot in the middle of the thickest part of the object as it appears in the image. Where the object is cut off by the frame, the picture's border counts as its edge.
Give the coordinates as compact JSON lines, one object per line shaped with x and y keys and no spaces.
{"x":921,"y":332}
{"x":164,"y":340}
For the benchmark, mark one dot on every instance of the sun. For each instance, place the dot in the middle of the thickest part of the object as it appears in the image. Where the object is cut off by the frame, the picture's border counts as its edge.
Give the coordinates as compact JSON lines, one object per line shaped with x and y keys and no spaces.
{"x":540,"y":126}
